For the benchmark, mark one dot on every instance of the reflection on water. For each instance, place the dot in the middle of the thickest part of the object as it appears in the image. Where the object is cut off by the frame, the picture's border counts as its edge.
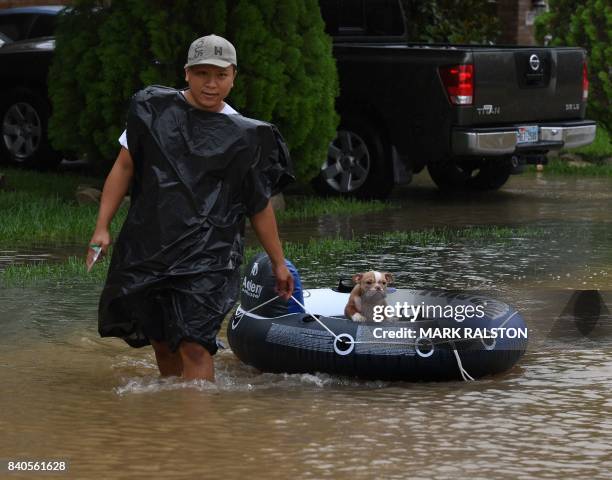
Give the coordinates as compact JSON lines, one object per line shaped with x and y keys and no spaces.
{"x":71,"y":395}
{"x":38,"y":253}
{"x":526,"y":200}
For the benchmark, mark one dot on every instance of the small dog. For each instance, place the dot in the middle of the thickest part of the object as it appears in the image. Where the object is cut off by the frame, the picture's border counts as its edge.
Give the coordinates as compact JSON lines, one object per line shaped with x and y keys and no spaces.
{"x":370,"y":290}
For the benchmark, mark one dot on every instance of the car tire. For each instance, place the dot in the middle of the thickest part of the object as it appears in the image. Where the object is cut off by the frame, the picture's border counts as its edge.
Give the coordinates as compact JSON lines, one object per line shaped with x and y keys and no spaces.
{"x":487,"y":174}
{"x":356,"y":164}
{"x":24,"y":117}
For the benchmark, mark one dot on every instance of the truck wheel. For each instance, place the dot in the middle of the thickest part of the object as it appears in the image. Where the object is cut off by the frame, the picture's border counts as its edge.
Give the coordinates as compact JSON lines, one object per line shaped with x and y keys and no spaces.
{"x":24,"y":115}
{"x":488,"y":174}
{"x":356,"y":165}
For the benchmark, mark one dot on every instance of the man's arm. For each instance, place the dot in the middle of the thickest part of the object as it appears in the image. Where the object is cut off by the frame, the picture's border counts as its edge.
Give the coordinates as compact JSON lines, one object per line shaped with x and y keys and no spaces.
{"x":115,"y":188}
{"x":264,"y":224}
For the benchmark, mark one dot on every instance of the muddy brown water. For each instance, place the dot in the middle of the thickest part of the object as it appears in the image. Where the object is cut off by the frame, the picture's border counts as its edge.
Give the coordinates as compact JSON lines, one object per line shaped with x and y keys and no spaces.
{"x":100,"y":406}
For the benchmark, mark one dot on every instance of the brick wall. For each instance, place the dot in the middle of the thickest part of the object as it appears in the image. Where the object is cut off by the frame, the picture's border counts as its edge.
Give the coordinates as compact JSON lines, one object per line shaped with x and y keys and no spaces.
{"x":507,"y":12}
{"x":516,"y":18}
{"x":526,"y":16}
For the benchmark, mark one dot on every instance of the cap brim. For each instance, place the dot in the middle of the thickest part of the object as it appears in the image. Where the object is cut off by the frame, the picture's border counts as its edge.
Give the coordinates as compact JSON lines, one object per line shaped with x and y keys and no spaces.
{"x":211,"y":61}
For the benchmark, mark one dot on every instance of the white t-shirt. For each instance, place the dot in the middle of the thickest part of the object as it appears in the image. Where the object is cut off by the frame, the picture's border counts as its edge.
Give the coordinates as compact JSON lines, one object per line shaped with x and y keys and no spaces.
{"x":227,"y":110}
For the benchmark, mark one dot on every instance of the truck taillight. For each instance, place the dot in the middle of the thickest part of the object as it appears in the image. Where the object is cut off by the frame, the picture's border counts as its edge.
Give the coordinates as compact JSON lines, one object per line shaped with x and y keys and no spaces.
{"x":585,"y":82}
{"x":459,"y":83}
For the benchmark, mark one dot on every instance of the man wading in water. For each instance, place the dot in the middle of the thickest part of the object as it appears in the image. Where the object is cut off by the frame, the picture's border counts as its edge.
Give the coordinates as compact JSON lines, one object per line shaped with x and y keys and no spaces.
{"x":197,"y":169}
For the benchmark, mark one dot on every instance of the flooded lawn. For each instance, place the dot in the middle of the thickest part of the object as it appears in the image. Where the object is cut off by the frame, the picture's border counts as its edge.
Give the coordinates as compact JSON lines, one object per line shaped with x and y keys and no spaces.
{"x":101,"y":406}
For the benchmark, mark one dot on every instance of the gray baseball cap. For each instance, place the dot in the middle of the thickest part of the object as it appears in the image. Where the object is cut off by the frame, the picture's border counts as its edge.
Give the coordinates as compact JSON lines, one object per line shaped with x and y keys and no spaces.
{"x":211,"y":50}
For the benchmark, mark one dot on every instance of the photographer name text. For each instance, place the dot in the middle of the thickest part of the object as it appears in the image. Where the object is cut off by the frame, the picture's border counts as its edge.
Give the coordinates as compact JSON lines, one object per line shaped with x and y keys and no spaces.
{"x":449,"y":333}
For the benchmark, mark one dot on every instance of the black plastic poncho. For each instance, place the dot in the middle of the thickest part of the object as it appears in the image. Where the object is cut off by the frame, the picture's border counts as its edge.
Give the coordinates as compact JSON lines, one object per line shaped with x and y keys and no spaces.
{"x":197,"y":175}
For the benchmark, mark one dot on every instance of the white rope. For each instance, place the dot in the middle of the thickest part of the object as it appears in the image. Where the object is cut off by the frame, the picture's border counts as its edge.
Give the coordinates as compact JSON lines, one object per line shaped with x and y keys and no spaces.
{"x":258,"y":306}
{"x":241,"y":314}
{"x":318,"y":321}
{"x":377,"y":342}
{"x":464,"y":374}
{"x":507,"y":320}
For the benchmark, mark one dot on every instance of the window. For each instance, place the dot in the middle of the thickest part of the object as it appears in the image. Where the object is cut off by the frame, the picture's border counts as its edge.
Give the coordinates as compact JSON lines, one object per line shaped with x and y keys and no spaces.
{"x":329,"y":12}
{"x":384,"y":18}
{"x":362,"y":17}
{"x":16,"y":26}
{"x":44,"y":26}
{"x":351,"y":19}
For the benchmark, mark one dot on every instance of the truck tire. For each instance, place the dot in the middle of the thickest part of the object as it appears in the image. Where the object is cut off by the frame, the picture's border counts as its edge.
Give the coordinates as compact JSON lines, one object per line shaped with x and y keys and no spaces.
{"x":24,"y":116}
{"x":488,"y":174}
{"x":356,"y":164}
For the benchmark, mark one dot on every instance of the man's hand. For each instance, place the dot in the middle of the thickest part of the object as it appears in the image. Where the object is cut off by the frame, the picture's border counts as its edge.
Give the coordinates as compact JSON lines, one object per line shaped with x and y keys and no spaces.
{"x":284,"y":281}
{"x":264,"y":224}
{"x":100,"y":238}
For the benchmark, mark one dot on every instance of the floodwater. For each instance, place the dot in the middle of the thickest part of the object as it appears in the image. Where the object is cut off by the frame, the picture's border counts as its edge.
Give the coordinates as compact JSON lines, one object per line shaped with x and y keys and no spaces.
{"x":38,"y":254}
{"x":100,"y":405}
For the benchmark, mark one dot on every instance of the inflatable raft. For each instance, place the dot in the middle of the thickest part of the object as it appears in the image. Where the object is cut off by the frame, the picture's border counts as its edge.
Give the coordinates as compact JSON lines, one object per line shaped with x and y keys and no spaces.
{"x":434,"y":335}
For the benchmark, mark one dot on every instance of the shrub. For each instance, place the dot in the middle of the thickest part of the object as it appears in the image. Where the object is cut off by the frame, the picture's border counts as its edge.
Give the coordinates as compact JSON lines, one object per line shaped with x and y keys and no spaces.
{"x":104,"y":54}
{"x":451,"y":21}
{"x":588,"y":24}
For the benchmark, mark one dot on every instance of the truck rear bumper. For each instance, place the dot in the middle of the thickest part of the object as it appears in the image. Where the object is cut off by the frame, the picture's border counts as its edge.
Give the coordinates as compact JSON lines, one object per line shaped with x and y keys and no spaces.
{"x":504,"y":140}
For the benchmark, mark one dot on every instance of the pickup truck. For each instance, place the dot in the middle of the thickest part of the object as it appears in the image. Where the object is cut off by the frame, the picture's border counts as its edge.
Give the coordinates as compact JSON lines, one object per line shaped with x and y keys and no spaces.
{"x":471,"y":114}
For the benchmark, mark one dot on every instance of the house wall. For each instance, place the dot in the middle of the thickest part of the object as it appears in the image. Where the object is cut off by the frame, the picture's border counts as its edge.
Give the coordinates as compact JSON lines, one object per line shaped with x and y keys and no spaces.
{"x":516,"y":18}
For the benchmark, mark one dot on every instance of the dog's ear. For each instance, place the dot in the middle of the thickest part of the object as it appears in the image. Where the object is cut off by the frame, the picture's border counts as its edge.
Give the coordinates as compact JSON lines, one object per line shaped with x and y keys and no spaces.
{"x":388,"y":277}
{"x":357,"y":278}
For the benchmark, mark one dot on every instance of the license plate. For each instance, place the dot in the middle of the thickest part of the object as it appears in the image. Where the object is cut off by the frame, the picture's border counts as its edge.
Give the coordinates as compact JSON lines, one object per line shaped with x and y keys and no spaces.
{"x":527,"y":134}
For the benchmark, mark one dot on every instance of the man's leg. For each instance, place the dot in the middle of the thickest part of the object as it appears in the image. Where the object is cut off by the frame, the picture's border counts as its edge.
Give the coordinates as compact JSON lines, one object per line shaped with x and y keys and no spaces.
{"x":197,"y":362}
{"x":169,"y":363}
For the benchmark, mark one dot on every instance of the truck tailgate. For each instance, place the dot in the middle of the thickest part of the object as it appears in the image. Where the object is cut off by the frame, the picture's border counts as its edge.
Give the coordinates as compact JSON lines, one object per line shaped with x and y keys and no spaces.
{"x":525,"y":84}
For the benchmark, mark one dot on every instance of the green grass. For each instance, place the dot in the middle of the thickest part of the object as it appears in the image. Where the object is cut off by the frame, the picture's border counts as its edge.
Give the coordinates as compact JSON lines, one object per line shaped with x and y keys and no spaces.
{"x":30,"y":218}
{"x":598,"y":150}
{"x":594,"y":154}
{"x":70,"y":270}
{"x":562,"y":167}
{"x":47,"y":184}
{"x":324,"y":252}
{"x":300,"y":208}
{"x":41,"y":207}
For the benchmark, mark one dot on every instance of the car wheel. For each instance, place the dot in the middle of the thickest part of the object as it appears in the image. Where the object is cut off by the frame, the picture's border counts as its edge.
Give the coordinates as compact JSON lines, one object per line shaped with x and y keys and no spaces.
{"x":486,"y":174}
{"x":23,"y":140}
{"x":356,"y":165}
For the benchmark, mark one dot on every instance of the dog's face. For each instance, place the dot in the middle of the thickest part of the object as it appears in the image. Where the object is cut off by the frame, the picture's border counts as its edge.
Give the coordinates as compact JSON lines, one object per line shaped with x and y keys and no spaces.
{"x":370,"y":290}
{"x":373,"y":282}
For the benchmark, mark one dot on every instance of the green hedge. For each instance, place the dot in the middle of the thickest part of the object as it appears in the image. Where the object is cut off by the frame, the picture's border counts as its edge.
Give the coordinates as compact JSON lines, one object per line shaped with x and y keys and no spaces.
{"x":287,"y":74}
{"x":588,"y":24}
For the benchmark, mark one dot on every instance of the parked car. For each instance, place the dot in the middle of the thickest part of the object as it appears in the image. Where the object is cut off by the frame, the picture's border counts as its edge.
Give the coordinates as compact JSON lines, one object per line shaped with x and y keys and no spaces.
{"x":25,"y":55}
{"x":471,"y":114}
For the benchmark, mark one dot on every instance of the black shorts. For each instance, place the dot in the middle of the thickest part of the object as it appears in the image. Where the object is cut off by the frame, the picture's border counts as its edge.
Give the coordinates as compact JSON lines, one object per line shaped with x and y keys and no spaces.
{"x":175,"y":316}
{"x":179,"y":309}
{"x":189,"y":310}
